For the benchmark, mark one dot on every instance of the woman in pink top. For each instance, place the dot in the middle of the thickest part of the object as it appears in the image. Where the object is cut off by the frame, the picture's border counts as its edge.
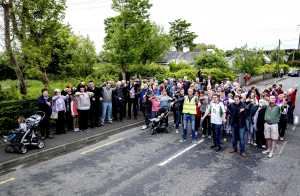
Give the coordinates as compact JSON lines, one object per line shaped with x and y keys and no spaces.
{"x":155,"y":106}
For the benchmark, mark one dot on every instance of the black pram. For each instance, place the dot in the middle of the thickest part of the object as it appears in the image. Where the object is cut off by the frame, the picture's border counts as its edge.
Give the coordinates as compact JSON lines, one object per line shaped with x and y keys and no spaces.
{"x":160,"y":123}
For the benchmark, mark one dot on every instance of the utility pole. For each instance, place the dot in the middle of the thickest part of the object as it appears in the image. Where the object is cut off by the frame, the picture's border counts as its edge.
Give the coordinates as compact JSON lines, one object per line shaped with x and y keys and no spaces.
{"x":278,"y":51}
{"x":299,"y":37}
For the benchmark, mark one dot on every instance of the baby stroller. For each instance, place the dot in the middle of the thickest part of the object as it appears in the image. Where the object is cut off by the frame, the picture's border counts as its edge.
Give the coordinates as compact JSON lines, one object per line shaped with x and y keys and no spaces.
{"x":19,"y":140}
{"x":160,"y":123}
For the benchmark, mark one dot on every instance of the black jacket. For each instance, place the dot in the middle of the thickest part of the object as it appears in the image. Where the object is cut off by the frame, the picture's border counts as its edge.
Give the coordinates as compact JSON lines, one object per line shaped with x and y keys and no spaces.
{"x":118,"y":96}
{"x":42,"y":103}
{"x":237,"y":117}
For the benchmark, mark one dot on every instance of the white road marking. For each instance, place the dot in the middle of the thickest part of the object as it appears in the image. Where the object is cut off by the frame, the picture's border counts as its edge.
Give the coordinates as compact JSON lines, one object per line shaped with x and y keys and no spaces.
{"x":101,"y":146}
{"x":296,"y":120}
{"x":179,"y":153}
{"x":6,"y":181}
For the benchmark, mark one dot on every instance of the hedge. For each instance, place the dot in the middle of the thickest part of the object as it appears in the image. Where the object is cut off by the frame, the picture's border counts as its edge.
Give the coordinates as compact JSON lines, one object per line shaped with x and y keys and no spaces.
{"x":10,"y":110}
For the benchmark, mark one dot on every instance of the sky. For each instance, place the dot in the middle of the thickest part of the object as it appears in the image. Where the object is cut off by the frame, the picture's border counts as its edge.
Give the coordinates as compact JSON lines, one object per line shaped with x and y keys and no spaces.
{"x":225,"y":23}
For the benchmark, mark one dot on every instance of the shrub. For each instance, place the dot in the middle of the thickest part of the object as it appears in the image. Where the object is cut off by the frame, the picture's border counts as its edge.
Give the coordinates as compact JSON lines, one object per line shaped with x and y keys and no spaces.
{"x":219,"y":74}
{"x":173,"y":67}
{"x":215,"y":59}
{"x":105,"y":72}
{"x":149,"y":70}
{"x":191,"y":73}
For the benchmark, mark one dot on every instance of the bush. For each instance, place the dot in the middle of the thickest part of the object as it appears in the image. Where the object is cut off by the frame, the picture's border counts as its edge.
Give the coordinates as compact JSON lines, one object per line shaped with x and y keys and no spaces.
{"x":219,"y":74}
{"x":271,"y":68}
{"x":105,"y":72}
{"x":149,"y":70}
{"x":215,"y":59}
{"x":191,"y":73}
{"x":173,"y":67}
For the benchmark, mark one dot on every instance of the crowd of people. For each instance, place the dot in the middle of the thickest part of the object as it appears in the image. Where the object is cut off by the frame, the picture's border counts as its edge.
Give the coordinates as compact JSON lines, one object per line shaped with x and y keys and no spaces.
{"x":214,"y":110}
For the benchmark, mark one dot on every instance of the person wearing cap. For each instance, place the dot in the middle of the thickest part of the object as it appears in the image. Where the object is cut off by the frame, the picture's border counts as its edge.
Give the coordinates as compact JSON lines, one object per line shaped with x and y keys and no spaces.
{"x":59,"y":107}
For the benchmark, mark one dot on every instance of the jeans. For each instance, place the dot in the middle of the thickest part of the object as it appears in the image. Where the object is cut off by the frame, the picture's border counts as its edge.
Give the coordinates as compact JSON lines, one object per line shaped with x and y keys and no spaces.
{"x":216,"y":130}
{"x":239,"y":133}
{"x":186,"y":119}
{"x":178,"y":117}
{"x":106,"y":111}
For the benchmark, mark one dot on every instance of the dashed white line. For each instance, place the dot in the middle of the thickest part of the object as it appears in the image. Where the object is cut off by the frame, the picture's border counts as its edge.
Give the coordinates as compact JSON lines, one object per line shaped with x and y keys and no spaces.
{"x":6,"y":181}
{"x":101,"y":146}
{"x":180,"y":153}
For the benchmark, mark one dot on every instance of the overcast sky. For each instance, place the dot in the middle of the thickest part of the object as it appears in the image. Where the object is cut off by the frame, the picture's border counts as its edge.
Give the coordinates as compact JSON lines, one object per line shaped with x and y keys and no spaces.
{"x":225,"y":23}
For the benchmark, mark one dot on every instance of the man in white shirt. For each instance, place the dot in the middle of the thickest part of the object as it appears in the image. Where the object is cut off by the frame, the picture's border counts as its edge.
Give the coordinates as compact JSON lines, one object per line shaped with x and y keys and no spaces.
{"x":216,"y":110}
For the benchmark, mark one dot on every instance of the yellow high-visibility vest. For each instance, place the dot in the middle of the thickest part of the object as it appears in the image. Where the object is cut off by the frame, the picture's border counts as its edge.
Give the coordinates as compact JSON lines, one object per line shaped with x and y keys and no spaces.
{"x":189,"y":107}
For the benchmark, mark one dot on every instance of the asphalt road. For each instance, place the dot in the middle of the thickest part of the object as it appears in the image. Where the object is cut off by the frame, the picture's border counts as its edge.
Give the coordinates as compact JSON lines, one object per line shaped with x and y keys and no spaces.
{"x":134,"y":163}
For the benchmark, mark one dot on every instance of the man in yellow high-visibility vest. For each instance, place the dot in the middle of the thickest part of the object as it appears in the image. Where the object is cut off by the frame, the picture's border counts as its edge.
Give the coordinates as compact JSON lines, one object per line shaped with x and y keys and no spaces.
{"x":189,"y":112}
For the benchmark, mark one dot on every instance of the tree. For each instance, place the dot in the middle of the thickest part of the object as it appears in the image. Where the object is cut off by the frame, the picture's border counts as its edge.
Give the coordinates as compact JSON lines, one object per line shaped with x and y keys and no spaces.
{"x":180,"y":34}
{"x":9,"y":28}
{"x":247,"y":60}
{"x":154,"y":46}
{"x":131,"y":38}
{"x":277,"y":56}
{"x":213,"y":59}
{"x":40,"y":21}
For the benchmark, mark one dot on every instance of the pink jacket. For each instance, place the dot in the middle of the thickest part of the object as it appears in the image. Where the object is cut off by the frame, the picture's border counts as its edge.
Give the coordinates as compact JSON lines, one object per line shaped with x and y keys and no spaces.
{"x":155,"y":104}
{"x":74,"y":111}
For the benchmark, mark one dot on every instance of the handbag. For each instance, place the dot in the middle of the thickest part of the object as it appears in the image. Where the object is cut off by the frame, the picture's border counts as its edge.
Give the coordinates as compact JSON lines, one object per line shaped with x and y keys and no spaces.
{"x":54,"y":115}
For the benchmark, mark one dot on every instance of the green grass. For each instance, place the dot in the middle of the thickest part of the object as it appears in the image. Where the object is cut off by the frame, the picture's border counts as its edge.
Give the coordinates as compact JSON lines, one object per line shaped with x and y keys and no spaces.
{"x":11,"y":91}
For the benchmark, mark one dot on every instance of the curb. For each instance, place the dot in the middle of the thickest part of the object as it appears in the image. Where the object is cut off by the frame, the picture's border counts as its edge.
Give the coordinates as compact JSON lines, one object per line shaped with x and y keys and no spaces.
{"x":62,"y":149}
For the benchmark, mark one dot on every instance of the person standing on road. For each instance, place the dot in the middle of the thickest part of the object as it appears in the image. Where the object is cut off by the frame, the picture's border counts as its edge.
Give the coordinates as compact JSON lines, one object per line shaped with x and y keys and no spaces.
{"x":272,"y":117}
{"x":83,"y":107}
{"x":236,"y":111}
{"x":59,"y":106}
{"x":178,"y":107}
{"x":118,"y":97}
{"x":282,"y":125}
{"x":44,"y":103}
{"x":259,"y":121}
{"x":217,"y":111}
{"x":189,"y":112}
{"x":106,"y":103}
{"x":292,"y":93}
{"x":95,"y":104}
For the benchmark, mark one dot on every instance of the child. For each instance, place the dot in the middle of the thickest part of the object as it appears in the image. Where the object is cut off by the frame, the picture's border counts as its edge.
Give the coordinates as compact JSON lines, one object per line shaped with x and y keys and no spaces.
{"x":155,"y":106}
{"x":22,"y":124}
{"x":74,"y":114}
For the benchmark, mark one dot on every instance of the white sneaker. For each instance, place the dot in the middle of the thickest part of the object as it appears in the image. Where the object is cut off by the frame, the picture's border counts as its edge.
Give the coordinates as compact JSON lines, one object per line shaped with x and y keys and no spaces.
{"x":266,"y":152}
{"x":144,"y":127}
{"x":177,"y":130}
{"x":264,"y":146}
{"x":209,"y":137}
{"x":281,"y":139}
{"x":270,"y":155}
{"x":182,"y":140}
{"x":76,"y":129}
